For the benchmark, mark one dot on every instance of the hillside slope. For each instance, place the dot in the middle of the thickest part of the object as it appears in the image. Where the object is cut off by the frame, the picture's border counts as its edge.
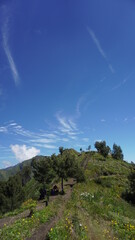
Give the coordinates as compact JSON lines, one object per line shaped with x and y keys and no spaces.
{"x":95,"y":210}
{"x":11,"y":171}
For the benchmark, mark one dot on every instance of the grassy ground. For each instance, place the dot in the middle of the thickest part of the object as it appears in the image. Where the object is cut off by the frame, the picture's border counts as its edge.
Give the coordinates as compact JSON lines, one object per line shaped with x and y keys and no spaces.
{"x":23,"y":227}
{"x":96,"y":209}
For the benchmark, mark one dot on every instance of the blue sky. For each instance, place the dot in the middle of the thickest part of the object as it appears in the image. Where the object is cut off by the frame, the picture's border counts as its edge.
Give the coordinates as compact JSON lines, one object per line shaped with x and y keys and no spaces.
{"x":66,"y":76}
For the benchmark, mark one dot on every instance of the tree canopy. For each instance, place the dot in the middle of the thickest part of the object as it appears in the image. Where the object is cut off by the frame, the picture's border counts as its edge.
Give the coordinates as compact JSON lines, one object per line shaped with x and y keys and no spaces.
{"x":102,"y":148}
{"x":43,"y":170}
{"x":117,"y":152}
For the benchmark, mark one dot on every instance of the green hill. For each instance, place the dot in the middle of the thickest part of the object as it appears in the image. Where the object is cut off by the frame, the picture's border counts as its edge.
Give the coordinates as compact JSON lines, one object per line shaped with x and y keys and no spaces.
{"x":93,"y":210}
{"x":11,"y":171}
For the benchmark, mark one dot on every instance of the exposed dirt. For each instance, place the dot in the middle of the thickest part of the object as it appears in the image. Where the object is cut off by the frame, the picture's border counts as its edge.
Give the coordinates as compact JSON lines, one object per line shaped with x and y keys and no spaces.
{"x":42,"y":231}
{"x":12,"y":219}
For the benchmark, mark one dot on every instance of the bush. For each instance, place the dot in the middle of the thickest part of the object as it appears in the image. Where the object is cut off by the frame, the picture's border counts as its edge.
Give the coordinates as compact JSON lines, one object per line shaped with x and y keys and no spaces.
{"x":102,"y":148}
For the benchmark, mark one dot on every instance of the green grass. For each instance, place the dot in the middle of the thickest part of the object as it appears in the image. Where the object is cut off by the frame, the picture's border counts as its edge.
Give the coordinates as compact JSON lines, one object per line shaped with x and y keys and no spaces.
{"x":22,"y":228}
{"x":96,"y":209}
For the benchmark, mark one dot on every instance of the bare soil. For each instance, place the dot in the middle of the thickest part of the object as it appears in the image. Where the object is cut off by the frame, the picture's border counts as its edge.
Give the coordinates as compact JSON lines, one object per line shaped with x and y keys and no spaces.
{"x":42,"y":232}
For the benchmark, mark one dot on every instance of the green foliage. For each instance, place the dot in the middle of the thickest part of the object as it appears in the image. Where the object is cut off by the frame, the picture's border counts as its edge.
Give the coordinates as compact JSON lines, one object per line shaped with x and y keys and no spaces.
{"x":79,"y":174}
{"x":32,"y":189}
{"x":25,"y":175}
{"x":15,"y":193}
{"x":11,"y":194}
{"x":102,"y":148}
{"x":67,"y":166}
{"x":43,"y":170}
{"x":61,"y":150}
{"x":117,"y":152}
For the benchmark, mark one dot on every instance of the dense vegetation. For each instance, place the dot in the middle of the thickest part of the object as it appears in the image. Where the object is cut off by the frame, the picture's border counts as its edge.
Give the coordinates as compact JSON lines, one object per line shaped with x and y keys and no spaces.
{"x":102,"y":201}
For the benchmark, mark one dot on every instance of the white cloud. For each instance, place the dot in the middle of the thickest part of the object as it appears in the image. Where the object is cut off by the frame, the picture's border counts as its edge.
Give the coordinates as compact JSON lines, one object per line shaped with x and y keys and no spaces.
{"x":97,"y":43}
{"x":42,"y":140}
{"x":72,"y":124}
{"x":22,"y":152}
{"x":67,"y":126}
{"x":13,"y":124}
{"x":47,"y":146}
{"x":78,"y":106}
{"x":50,"y":146}
{"x":19,"y":130}
{"x":100,"y":49}
{"x":3,"y":129}
{"x":8,"y":52}
{"x":48,"y":135}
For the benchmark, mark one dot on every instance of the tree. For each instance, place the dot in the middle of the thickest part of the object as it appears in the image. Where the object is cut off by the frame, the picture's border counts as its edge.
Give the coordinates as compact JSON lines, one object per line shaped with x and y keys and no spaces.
{"x":117,"y":152}
{"x":25,"y":175}
{"x":102,"y":148}
{"x":43,"y":170}
{"x":3,"y":198}
{"x":61,"y":150}
{"x":66,"y":166}
{"x":14,"y":192}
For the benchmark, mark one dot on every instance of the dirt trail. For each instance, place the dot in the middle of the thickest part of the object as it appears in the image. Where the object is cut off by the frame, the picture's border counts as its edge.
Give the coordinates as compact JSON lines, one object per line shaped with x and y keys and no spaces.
{"x":10,"y":220}
{"x":42,"y":231}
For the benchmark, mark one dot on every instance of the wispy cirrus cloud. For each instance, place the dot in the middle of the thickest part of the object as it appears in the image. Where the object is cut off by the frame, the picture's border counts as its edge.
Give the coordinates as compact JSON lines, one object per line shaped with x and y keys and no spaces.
{"x":43,"y":140}
{"x":78,"y":106}
{"x":100,"y":49}
{"x":123,"y":82}
{"x":66,"y":125}
{"x":5,"y":36}
{"x":3,"y":129}
{"x":25,"y":143}
{"x":97,"y":43}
